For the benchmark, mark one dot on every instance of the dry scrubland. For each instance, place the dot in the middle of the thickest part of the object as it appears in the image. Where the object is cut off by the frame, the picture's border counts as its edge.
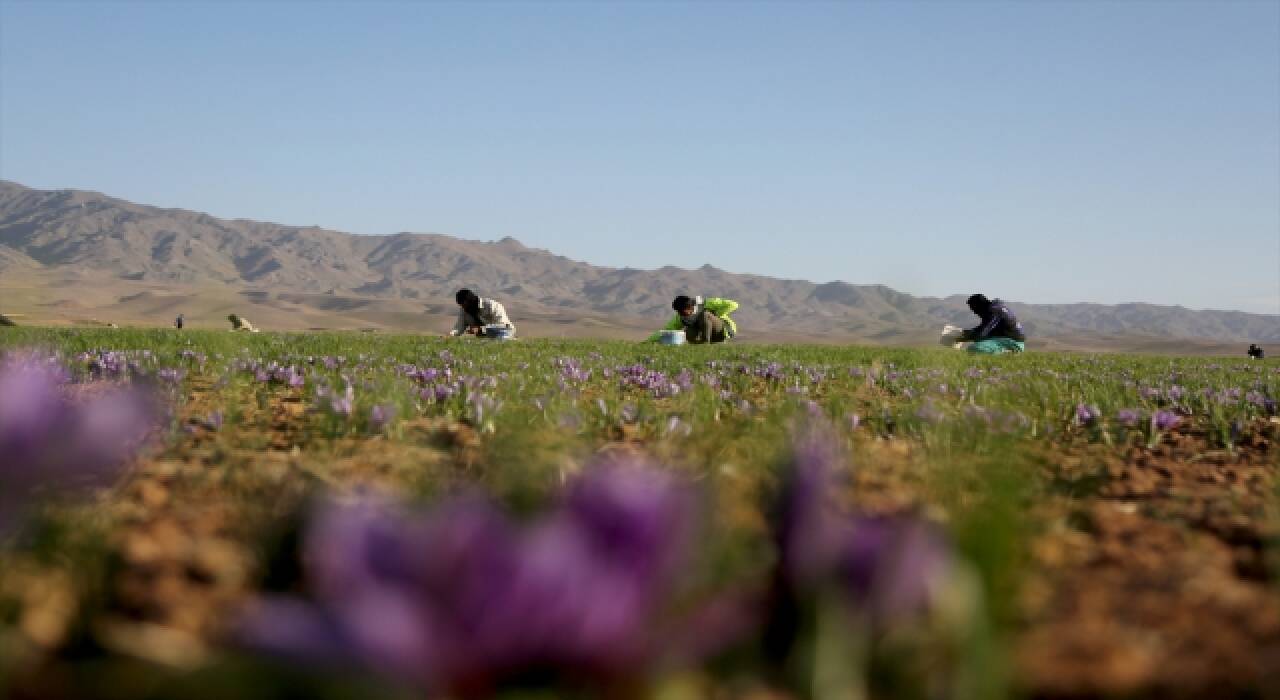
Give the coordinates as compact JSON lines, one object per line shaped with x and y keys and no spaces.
{"x":342,"y":515}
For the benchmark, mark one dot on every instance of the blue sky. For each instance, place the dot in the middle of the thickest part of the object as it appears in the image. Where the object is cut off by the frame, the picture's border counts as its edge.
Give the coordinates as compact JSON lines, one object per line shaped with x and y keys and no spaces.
{"x":1043,"y":152}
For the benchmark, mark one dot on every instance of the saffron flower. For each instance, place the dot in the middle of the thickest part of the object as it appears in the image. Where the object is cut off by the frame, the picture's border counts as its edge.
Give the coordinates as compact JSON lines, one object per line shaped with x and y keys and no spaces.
{"x":463,"y":600}
{"x":1087,"y":415}
{"x":1165,"y":420}
{"x":1128,"y":417}
{"x":50,"y":443}
{"x":888,"y":569}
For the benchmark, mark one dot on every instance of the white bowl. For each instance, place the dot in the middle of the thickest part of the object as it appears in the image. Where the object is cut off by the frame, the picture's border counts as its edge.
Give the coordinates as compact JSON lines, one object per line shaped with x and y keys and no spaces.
{"x":671,"y":338}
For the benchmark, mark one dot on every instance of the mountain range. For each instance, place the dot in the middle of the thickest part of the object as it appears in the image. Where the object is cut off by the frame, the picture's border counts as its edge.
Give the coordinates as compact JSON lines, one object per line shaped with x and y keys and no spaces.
{"x":69,"y":256}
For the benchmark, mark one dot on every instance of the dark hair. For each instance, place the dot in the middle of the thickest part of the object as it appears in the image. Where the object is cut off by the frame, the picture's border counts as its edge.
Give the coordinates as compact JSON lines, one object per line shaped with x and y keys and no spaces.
{"x":683,"y":302}
{"x":979,"y":301}
{"x":466,"y":297}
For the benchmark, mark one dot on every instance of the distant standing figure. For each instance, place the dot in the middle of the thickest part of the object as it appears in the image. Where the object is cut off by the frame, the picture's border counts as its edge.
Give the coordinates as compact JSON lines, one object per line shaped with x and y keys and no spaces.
{"x":1256,"y":352}
{"x":702,"y":320}
{"x":999,"y":331}
{"x":177,"y":322}
{"x":476,"y":312}
{"x":239,"y":323}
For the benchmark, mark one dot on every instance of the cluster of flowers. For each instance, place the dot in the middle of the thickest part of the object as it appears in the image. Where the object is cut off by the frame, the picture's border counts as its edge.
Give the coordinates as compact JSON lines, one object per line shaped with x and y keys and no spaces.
{"x":638,"y":376}
{"x":1161,"y":420}
{"x":273,"y":373}
{"x":463,"y":599}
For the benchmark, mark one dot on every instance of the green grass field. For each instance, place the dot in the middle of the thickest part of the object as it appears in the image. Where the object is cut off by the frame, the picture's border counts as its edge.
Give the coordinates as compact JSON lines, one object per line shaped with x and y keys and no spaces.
{"x":1108,"y":523}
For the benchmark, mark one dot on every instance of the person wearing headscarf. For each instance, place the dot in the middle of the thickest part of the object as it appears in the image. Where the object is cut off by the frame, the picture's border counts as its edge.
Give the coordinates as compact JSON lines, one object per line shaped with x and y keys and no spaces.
{"x":475,"y":313}
{"x":999,"y":332}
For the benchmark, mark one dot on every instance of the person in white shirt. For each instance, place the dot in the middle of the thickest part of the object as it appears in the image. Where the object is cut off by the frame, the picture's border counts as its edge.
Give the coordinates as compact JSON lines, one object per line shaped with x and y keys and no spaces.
{"x":475,"y":313}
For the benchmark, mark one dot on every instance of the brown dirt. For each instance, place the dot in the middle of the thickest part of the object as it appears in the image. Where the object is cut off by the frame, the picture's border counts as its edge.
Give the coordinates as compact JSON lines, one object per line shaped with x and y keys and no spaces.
{"x":1151,"y":577}
{"x":183,"y":555}
{"x":1156,"y":583}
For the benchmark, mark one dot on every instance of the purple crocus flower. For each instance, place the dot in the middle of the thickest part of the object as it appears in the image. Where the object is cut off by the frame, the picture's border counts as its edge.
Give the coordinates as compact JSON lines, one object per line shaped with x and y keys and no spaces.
{"x":1087,"y":415}
{"x":1128,"y":417}
{"x":889,"y":569}
{"x":49,"y":441}
{"x":1165,"y":420}
{"x":636,"y":515}
{"x":171,"y":375}
{"x":462,"y":600}
{"x":380,"y":416}
{"x":343,"y":405}
{"x":1261,"y":401}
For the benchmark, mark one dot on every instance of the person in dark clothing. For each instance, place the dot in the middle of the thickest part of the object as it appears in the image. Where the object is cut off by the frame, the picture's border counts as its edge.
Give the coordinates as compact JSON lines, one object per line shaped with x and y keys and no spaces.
{"x":999,"y":331}
{"x":177,"y":322}
{"x":1256,"y":352}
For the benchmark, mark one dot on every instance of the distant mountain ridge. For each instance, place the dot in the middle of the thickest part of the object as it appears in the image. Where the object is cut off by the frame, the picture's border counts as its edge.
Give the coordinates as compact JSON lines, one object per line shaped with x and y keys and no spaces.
{"x":45,"y":231}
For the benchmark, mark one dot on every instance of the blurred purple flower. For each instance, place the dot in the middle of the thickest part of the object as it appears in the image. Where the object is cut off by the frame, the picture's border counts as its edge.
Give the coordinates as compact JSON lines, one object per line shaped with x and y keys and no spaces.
{"x":888,"y":569}
{"x":1128,"y":417}
{"x":1087,"y":415}
{"x":380,"y":416}
{"x":481,"y":406}
{"x":171,"y":375}
{"x":48,"y":441}
{"x":929,"y":412}
{"x":461,"y":600}
{"x":343,"y":404}
{"x":1165,"y":420}
{"x":1261,"y":401}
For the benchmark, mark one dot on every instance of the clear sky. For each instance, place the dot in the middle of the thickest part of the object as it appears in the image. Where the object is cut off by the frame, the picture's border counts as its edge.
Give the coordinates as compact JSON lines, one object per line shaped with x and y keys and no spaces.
{"x":1038,"y":151}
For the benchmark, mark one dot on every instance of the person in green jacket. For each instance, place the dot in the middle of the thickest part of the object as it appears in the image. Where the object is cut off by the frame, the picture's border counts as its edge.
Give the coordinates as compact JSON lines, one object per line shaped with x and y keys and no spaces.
{"x":702,"y":320}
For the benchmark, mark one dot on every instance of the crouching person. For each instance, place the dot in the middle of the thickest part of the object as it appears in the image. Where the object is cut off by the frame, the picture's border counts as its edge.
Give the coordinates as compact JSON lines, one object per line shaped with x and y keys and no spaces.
{"x":240,"y":323}
{"x":702,"y":320}
{"x":999,"y":332}
{"x":475,"y":313}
